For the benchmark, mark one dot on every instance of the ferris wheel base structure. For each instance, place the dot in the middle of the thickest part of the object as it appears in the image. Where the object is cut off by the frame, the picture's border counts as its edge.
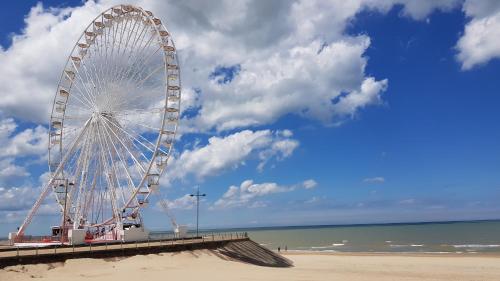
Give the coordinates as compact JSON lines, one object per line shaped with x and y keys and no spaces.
{"x":78,"y":236}
{"x":82,"y":236}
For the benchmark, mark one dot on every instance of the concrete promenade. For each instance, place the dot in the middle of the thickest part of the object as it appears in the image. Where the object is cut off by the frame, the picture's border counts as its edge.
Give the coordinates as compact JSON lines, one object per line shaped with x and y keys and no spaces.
{"x":17,"y":255}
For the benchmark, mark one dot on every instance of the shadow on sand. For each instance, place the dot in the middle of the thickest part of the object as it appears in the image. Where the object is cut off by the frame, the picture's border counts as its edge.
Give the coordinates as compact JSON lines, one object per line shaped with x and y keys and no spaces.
{"x":253,"y":253}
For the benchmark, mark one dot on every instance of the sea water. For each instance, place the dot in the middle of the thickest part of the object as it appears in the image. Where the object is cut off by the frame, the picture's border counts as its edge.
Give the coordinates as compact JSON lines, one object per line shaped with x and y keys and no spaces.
{"x":443,"y":237}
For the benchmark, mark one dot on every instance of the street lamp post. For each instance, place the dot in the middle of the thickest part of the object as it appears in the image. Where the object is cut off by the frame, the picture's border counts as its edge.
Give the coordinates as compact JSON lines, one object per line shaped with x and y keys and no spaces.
{"x":197,"y":195}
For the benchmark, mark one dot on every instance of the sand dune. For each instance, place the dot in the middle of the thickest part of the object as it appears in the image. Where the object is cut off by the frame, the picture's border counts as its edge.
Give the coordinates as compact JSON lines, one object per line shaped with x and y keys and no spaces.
{"x":227,"y":264}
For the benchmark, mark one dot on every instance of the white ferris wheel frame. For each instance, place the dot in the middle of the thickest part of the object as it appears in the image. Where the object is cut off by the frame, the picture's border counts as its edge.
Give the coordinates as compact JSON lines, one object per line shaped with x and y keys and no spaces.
{"x":61,"y":150}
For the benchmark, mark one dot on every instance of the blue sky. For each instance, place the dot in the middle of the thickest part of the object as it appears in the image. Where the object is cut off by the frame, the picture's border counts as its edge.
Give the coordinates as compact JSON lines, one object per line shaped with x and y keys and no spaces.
{"x":423,"y":146}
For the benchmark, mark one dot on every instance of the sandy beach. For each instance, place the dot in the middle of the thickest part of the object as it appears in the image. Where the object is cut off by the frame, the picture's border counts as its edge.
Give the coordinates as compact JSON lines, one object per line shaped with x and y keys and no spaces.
{"x":210,"y":265}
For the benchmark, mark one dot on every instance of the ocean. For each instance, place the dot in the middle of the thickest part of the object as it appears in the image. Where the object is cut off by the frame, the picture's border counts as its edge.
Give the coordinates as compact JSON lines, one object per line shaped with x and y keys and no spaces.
{"x":442,"y":237}
{"x":432,"y":237}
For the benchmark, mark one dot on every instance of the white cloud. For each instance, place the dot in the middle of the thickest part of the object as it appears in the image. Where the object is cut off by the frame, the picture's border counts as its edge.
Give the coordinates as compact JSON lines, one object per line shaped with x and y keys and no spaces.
{"x":228,"y":152}
{"x":303,"y":79}
{"x":282,"y":147}
{"x":28,"y":142}
{"x":31,"y":66}
{"x":419,"y":10}
{"x":374,"y":180}
{"x":407,"y":201}
{"x":248,"y":191}
{"x":12,"y":174}
{"x":309,"y":184}
{"x":369,"y":93}
{"x":17,"y":198}
{"x":480,"y":42}
{"x":314,"y":200}
{"x":185,"y":202}
{"x":277,"y":44}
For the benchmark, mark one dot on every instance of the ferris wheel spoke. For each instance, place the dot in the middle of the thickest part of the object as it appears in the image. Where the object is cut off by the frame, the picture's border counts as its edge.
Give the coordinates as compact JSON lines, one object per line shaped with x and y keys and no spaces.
{"x":124,"y":162}
{"x":130,"y":65}
{"x":82,"y":170}
{"x":87,"y":93}
{"x":139,"y":36}
{"x":119,"y":45}
{"x":137,"y":101}
{"x":132,"y":112}
{"x":146,"y":140}
{"x":89,"y":197}
{"x":83,"y":102}
{"x":81,"y":211}
{"x":130,"y":134}
{"x":135,"y":122}
{"x":129,"y":36}
{"x":83,"y":97}
{"x":108,"y":174}
{"x":139,"y":164}
{"x":141,"y":82}
{"x":140,"y":48}
{"x":143,"y":62}
{"x":93,"y":76}
{"x":135,"y":59}
{"x":107,"y":140}
{"x":82,"y":69}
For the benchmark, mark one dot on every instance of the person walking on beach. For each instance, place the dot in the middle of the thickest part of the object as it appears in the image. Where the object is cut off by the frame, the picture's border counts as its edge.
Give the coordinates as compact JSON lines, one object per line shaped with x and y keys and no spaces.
{"x":279,"y":249}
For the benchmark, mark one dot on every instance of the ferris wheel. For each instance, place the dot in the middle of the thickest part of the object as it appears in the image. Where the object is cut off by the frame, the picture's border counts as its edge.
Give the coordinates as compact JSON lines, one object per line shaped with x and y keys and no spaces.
{"x":113,"y":121}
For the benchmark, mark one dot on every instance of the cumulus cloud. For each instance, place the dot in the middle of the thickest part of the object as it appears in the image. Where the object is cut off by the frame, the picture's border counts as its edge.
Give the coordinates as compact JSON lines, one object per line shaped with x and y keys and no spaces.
{"x":480,"y":41}
{"x":16,"y":201}
{"x":275,"y":46}
{"x":309,"y":184}
{"x":30,"y":142}
{"x":17,"y":198}
{"x":185,"y":202}
{"x":12,"y":174}
{"x":420,"y":10}
{"x":27,"y":142}
{"x":229,"y":152}
{"x":248,"y":191}
{"x":374,"y":180}
{"x":293,"y":57}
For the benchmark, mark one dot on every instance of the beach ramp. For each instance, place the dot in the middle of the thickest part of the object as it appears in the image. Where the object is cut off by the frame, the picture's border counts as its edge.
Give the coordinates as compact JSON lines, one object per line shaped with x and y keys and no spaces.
{"x":250,"y":252}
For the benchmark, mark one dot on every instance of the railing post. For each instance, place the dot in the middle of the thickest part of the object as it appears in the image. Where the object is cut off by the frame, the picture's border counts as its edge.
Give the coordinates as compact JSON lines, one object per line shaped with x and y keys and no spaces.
{"x":106,"y":245}
{"x":73,"y":246}
{"x":148,"y":242}
{"x":17,"y":251}
{"x":55,"y":249}
{"x":90,"y":246}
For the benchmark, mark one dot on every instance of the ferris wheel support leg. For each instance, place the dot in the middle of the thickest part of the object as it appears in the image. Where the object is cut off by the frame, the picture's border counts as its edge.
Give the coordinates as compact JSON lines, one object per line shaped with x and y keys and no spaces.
{"x":46,"y":189}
